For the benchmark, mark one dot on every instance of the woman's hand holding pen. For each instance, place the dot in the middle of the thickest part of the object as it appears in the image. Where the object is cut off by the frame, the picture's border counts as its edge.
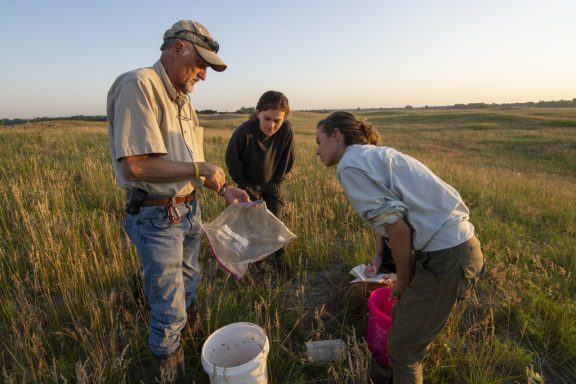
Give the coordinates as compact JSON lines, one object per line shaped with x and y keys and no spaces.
{"x":370,"y":271}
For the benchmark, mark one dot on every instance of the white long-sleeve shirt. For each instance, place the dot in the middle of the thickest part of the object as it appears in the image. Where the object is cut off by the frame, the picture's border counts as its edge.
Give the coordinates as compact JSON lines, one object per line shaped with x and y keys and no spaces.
{"x":384,"y":185}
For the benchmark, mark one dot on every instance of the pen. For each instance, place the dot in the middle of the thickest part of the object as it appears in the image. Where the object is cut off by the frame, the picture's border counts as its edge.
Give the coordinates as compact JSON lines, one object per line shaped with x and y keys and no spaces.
{"x":370,"y":267}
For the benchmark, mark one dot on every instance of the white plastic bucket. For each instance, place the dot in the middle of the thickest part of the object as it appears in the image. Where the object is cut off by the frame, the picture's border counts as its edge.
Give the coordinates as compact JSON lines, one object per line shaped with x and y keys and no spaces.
{"x":236,"y":353}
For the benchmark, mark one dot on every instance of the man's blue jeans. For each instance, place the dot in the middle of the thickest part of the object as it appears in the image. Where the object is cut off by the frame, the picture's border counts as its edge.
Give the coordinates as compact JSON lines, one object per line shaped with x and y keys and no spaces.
{"x":169,"y":257}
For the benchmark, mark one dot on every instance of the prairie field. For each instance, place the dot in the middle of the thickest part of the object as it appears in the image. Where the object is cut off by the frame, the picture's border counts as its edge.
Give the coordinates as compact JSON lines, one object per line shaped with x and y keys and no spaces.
{"x":70,"y":310}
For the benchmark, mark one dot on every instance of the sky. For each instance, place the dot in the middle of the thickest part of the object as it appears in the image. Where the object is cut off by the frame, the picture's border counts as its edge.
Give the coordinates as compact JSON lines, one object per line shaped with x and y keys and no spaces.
{"x":59,"y":57}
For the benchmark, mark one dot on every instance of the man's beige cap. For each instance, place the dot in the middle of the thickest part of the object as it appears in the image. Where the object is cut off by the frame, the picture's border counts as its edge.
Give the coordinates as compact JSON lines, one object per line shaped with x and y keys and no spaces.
{"x":198,"y":35}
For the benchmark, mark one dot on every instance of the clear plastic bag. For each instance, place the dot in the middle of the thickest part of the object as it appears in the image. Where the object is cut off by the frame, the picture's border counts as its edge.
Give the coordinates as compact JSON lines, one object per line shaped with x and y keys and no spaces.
{"x":245,"y":233}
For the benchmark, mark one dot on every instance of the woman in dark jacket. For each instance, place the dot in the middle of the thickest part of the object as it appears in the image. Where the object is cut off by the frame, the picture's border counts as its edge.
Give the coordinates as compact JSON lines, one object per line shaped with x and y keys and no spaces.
{"x":260,"y":154}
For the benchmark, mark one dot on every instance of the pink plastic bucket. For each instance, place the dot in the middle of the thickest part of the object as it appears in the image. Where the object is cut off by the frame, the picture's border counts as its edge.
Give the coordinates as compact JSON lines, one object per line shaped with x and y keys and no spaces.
{"x":379,"y":323}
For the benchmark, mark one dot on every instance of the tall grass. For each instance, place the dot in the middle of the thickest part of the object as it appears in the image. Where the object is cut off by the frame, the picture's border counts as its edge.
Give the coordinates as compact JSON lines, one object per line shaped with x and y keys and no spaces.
{"x":69,"y":312}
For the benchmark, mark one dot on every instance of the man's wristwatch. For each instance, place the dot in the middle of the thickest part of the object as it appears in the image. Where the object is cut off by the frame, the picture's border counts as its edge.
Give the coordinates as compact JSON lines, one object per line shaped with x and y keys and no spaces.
{"x":223,"y":189}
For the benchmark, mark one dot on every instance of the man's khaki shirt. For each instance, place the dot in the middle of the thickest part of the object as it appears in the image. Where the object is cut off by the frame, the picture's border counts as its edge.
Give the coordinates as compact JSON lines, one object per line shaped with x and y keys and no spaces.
{"x":146,"y":115}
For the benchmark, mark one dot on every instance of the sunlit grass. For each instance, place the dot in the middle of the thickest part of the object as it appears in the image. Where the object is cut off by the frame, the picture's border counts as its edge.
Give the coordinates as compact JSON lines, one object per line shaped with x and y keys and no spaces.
{"x":68,"y":312}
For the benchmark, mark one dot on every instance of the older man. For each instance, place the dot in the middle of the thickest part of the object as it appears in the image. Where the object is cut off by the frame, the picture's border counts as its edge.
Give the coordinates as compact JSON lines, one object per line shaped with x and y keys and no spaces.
{"x":157,"y":152}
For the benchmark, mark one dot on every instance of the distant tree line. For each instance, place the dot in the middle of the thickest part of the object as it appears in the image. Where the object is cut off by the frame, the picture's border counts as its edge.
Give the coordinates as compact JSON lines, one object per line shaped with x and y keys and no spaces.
{"x":530,"y":104}
{"x":246,"y":110}
{"x":249,"y":110}
{"x":101,"y":117}
{"x":41,"y":119}
{"x":243,"y":110}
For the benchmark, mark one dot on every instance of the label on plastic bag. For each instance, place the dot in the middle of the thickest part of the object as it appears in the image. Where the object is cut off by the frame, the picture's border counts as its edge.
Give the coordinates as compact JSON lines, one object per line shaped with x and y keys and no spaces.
{"x":242,"y":240}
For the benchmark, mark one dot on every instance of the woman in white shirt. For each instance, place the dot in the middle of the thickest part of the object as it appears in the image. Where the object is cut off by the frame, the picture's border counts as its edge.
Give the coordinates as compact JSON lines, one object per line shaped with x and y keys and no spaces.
{"x":425,"y":222}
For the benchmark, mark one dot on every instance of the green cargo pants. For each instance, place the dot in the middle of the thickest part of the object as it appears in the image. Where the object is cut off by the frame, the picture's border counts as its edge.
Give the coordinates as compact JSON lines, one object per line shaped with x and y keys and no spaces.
{"x":440,"y":279}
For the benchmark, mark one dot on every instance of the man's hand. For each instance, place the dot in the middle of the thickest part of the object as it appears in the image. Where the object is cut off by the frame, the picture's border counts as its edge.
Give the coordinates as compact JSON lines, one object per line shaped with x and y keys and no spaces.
{"x":214,"y":176}
{"x":235,"y":195}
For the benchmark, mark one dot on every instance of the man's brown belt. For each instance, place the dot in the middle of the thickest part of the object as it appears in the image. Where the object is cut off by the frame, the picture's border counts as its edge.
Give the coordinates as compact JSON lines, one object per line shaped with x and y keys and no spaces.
{"x":170,"y":200}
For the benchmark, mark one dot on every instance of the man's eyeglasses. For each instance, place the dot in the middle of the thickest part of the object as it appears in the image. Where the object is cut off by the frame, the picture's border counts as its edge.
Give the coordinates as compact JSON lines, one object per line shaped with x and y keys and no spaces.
{"x":204,"y":41}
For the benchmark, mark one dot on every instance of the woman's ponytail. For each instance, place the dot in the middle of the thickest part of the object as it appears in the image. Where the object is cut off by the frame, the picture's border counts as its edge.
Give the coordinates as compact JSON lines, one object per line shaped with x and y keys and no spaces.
{"x":355,"y":131}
